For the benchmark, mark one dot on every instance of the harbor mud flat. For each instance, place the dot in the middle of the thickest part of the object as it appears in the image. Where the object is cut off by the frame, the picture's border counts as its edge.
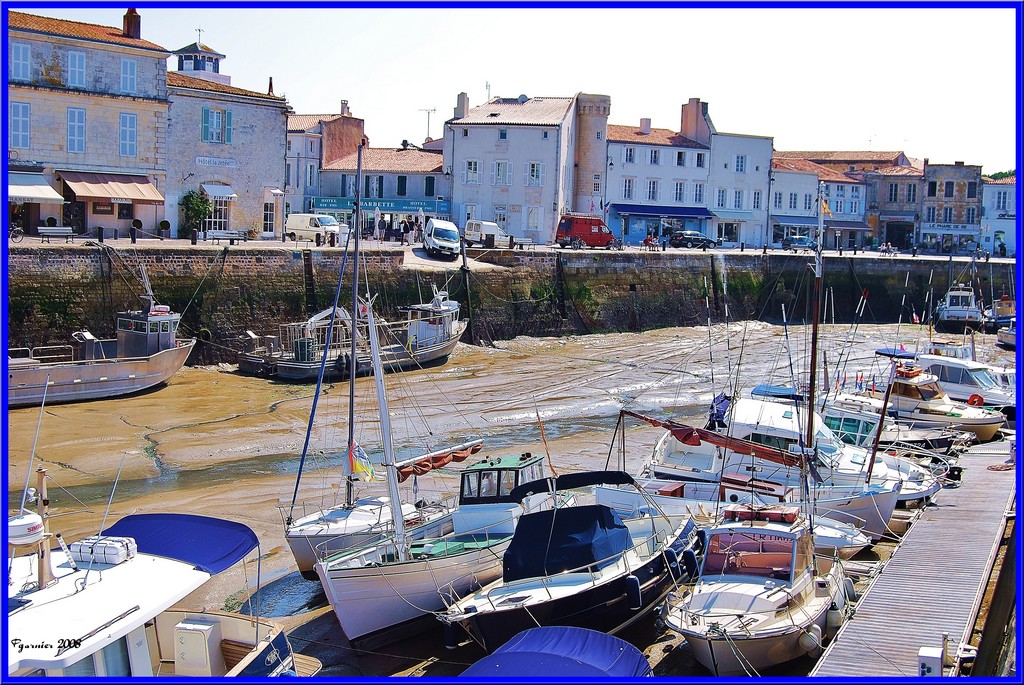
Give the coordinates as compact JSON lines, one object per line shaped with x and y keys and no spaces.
{"x":217,"y":443}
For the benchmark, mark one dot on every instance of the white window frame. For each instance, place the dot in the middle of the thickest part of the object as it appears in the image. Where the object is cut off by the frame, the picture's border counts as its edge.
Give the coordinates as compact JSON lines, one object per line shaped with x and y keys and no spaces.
{"x":76,"y":69}
{"x":947,"y":215}
{"x":628,"y":184}
{"x":502,"y":134}
{"x":655,"y":157}
{"x":680,"y":191}
{"x":472,"y":173}
{"x":808,"y":202}
{"x":128,"y":134}
{"x":21,"y":62}
{"x":268,"y":217}
{"x":737,"y":199}
{"x":840,"y":206}
{"x":720,"y":198}
{"x":216,"y":125}
{"x":894,"y":192}
{"x":597,"y":184}
{"x":220,"y":213}
{"x":653,"y":189}
{"x":911,"y":192}
{"x":970,"y":215}
{"x":76,"y":130}
{"x":470,"y":211}
{"x":1002,"y":197}
{"x":533,"y":217}
{"x":756,"y":200}
{"x":21,"y":125}
{"x":129,"y":76}
{"x":628,"y":154}
{"x":698,"y":193}
{"x":502,"y":173}
{"x":680,"y":157}
{"x":740,"y":165}
{"x":793,"y":200}
{"x":534,"y":174}
{"x":854,"y":206}
{"x":929,"y":215}
{"x":777,"y":200}
{"x":310,"y":175}
{"x":700,"y":160}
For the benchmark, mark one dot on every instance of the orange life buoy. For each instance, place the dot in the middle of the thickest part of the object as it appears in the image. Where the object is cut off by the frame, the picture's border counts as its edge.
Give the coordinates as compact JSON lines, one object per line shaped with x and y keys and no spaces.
{"x":975,"y":400}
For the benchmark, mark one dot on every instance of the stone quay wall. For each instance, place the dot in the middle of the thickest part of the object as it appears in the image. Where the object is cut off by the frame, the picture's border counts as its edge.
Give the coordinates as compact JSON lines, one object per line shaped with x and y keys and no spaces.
{"x":224,"y":291}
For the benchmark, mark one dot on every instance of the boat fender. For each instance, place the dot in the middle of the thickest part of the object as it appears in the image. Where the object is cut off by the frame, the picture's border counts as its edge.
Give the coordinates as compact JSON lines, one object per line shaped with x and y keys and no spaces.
{"x":633,"y":592}
{"x":288,"y":673}
{"x":702,"y":539}
{"x":834,"y":620}
{"x":975,"y":400}
{"x":690,"y":562}
{"x":849,"y":590}
{"x":810,"y":639}
{"x":672,"y":560}
{"x":205,"y":335}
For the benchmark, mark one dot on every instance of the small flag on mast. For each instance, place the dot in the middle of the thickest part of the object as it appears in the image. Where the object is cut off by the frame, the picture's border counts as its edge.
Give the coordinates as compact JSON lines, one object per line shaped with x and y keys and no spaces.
{"x":358,"y":463}
{"x":824,"y":207}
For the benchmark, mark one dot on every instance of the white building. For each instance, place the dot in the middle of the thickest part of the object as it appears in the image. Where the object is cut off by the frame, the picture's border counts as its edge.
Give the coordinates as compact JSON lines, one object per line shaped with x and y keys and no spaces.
{"x":511,"y":161}
{"x":657,"y":182}
{"x":228,"y":143}
{"x":793,"y":205}
{"x":999,"y":215}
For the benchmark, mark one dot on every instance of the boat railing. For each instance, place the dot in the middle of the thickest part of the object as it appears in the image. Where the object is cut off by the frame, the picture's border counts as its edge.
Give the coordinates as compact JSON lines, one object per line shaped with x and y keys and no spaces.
{"x":44,"y":353}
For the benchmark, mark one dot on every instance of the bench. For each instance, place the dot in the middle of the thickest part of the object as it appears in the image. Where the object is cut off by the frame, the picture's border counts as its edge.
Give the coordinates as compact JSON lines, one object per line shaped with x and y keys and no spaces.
{"x":47,"y":232}
{"x":231,"y":236}
{"x":525,"y":244}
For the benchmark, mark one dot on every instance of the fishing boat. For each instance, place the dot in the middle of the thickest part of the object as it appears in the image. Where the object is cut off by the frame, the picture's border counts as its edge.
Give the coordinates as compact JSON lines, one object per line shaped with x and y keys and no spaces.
{"x":1007,"y":337}
{"x":762,"y":597}
{"x":562,"y":652}
{"x":582,"y":566}
{"x":999,"y":315}
{"x":918,"y":398}
{"x":146,"y":353}
{"x":428,"y":333}
{"x":959,"y":310}
{"x":106,"y":605}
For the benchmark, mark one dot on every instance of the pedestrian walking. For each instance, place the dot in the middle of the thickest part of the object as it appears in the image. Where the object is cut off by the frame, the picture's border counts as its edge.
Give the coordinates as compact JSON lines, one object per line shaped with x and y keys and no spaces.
{"x":382,"y":227}
{"x":406,"y":229}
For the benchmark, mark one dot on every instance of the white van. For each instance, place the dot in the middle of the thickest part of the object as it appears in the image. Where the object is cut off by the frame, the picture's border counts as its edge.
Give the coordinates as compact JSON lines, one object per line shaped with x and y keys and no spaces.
{"x":477,"y":232}
{"x":315,"y":227}
{"x":441,"y":238}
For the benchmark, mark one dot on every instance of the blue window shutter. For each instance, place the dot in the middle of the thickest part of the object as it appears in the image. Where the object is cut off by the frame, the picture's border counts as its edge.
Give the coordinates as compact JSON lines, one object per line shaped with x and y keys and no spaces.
{"x":206,"y":124}
{"x":227,"y":126}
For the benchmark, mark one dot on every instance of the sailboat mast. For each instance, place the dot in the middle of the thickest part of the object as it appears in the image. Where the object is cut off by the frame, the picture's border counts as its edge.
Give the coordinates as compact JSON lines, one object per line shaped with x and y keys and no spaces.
{"x":353,"y":333}
{"x":815,"y":324}
{"x":385,"y":428}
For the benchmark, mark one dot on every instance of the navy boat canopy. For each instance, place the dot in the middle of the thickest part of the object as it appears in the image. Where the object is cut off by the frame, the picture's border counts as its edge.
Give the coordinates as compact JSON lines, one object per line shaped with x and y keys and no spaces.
{"x":565,"y":652}
{"x":552,"y":541}
{"x":779,"y":392}
{"x":895,"y":353}
{"x":210,"y":544}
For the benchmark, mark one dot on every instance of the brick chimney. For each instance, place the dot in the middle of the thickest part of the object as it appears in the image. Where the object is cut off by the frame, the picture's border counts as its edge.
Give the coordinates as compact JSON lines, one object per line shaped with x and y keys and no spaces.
{"x":132,"y":24}
{"x":344,"y":108}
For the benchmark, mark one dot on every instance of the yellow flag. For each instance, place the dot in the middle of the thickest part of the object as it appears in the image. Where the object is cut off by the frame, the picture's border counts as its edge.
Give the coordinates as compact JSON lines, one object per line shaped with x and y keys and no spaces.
{"x":824,"y":207}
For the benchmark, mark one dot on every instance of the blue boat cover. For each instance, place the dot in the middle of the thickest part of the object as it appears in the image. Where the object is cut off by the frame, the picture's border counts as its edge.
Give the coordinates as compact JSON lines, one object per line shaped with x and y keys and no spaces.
{"x":579,"y":538}
{"x":895,"y":353}
{"x":779,"y":392}
{"x":210,"y":544}
{"x":562,"y":652}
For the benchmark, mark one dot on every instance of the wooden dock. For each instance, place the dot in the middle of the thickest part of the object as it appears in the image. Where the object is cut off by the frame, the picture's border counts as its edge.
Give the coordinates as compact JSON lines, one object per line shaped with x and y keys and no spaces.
{"x":936,"y":578}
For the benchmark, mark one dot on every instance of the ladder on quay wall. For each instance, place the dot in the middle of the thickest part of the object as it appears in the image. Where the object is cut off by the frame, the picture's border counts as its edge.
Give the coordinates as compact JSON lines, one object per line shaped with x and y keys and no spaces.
{"x":310,"y":282}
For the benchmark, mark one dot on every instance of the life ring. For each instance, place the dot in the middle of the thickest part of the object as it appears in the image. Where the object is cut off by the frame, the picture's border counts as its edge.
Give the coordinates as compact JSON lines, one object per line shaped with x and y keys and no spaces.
{"x":205,"y":335}
{"x":975,"y":400}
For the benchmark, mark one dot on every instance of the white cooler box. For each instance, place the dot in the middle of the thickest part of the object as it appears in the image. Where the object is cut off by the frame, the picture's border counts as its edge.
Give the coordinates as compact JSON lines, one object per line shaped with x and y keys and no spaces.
{"x":103,"y":549}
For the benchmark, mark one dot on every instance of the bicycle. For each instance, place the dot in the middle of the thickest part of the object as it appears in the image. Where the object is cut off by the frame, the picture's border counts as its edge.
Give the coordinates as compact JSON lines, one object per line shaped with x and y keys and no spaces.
{"x":15,"y":234}
{"x":617,"y":244}
{"x":576,"y":243}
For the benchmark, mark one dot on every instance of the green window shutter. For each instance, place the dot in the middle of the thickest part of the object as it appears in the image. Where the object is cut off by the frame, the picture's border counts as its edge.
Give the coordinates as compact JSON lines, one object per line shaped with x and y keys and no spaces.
{"x":401,"y":186}
{"x":428,"y":186}
{"x":366,"y":183}
{"x":380,"y":186}
{"x":227,"y":126}
{"x":344,"y":185}
{"x":206,"y":124}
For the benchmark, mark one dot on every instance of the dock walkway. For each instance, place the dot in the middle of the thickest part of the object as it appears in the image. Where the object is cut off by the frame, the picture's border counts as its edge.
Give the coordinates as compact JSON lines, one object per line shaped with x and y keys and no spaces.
{"x":935,"y":579}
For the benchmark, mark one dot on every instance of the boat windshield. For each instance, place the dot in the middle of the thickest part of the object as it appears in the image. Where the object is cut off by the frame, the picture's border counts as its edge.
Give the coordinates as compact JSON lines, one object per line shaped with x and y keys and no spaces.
{"x":740,"y":552}
{"x":982,"y":378}
{"x":930,"y":391}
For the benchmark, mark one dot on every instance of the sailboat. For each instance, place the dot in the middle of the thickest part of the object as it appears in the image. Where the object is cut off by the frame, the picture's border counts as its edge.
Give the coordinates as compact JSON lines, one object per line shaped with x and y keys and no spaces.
{"x":316,"y":530}
{"x":763,"y":597}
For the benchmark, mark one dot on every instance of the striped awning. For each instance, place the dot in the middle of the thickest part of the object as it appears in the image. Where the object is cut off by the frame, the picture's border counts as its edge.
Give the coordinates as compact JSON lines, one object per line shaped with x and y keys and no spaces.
{"x":31,"y":188}
{"x":219,"y":192}
{"x":116,"y":188}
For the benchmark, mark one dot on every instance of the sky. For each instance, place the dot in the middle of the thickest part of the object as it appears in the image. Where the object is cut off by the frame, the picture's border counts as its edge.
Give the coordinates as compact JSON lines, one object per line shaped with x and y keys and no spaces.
{"x":940,"y":83}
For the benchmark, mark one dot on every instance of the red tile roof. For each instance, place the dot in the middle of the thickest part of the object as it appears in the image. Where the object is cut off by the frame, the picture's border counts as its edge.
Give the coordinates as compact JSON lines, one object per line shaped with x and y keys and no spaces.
{"x":176,"y":79}
{"x":839,"y":156}
{"x":303,"y":122}
{"x":1005,"y":181}
{"x":657,"y":136}
{"x":380,"y":160}
{"x":898,"y":171}
{"x":75,"y":29}
{"x":806,"y":166}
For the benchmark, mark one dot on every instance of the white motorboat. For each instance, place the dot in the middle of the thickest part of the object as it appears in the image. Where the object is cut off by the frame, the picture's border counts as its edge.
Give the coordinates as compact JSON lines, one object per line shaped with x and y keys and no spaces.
{"x":763,"y":597}
{"x":582,"y":566}
{"x":1007,"y":337}
{"x":105,"y":605}
{"x":966,"y":380}
{"x":959,"y":310}
{"x":918,"y":398}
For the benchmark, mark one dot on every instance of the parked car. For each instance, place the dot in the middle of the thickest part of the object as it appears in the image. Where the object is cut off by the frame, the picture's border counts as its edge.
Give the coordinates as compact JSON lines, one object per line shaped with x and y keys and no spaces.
{"x":441,"y":239}
{"x":589,"y":231}
{"x":691,"y":239}
{"x":799,"y":242}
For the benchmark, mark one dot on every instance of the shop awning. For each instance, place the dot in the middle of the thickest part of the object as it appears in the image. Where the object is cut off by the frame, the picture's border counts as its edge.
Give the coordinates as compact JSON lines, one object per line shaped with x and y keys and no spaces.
{"x":221,"y":192}
{"x":736,"y":215}
{"x":112,"y":187}
{"x":658,"y":210}
{"x":801,"y":221}
{"x":31,"y":188}
{"x":847,"y":225}
{"x":270,"y":193}
{"x":897,"y":216}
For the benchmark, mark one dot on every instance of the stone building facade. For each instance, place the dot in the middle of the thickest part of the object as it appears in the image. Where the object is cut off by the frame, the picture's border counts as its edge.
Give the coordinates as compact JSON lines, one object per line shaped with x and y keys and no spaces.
{"x":950,"y":207}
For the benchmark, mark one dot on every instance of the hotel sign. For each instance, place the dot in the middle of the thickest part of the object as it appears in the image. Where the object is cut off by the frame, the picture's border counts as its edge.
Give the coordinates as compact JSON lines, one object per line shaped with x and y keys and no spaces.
{"x":216,"y":162}
{"x":347,"y":204}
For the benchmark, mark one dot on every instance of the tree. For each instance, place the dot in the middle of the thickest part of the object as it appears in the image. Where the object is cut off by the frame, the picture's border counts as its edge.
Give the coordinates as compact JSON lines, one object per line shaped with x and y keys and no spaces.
{"x":1002,"y":174}
{"x":195,"y":208}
